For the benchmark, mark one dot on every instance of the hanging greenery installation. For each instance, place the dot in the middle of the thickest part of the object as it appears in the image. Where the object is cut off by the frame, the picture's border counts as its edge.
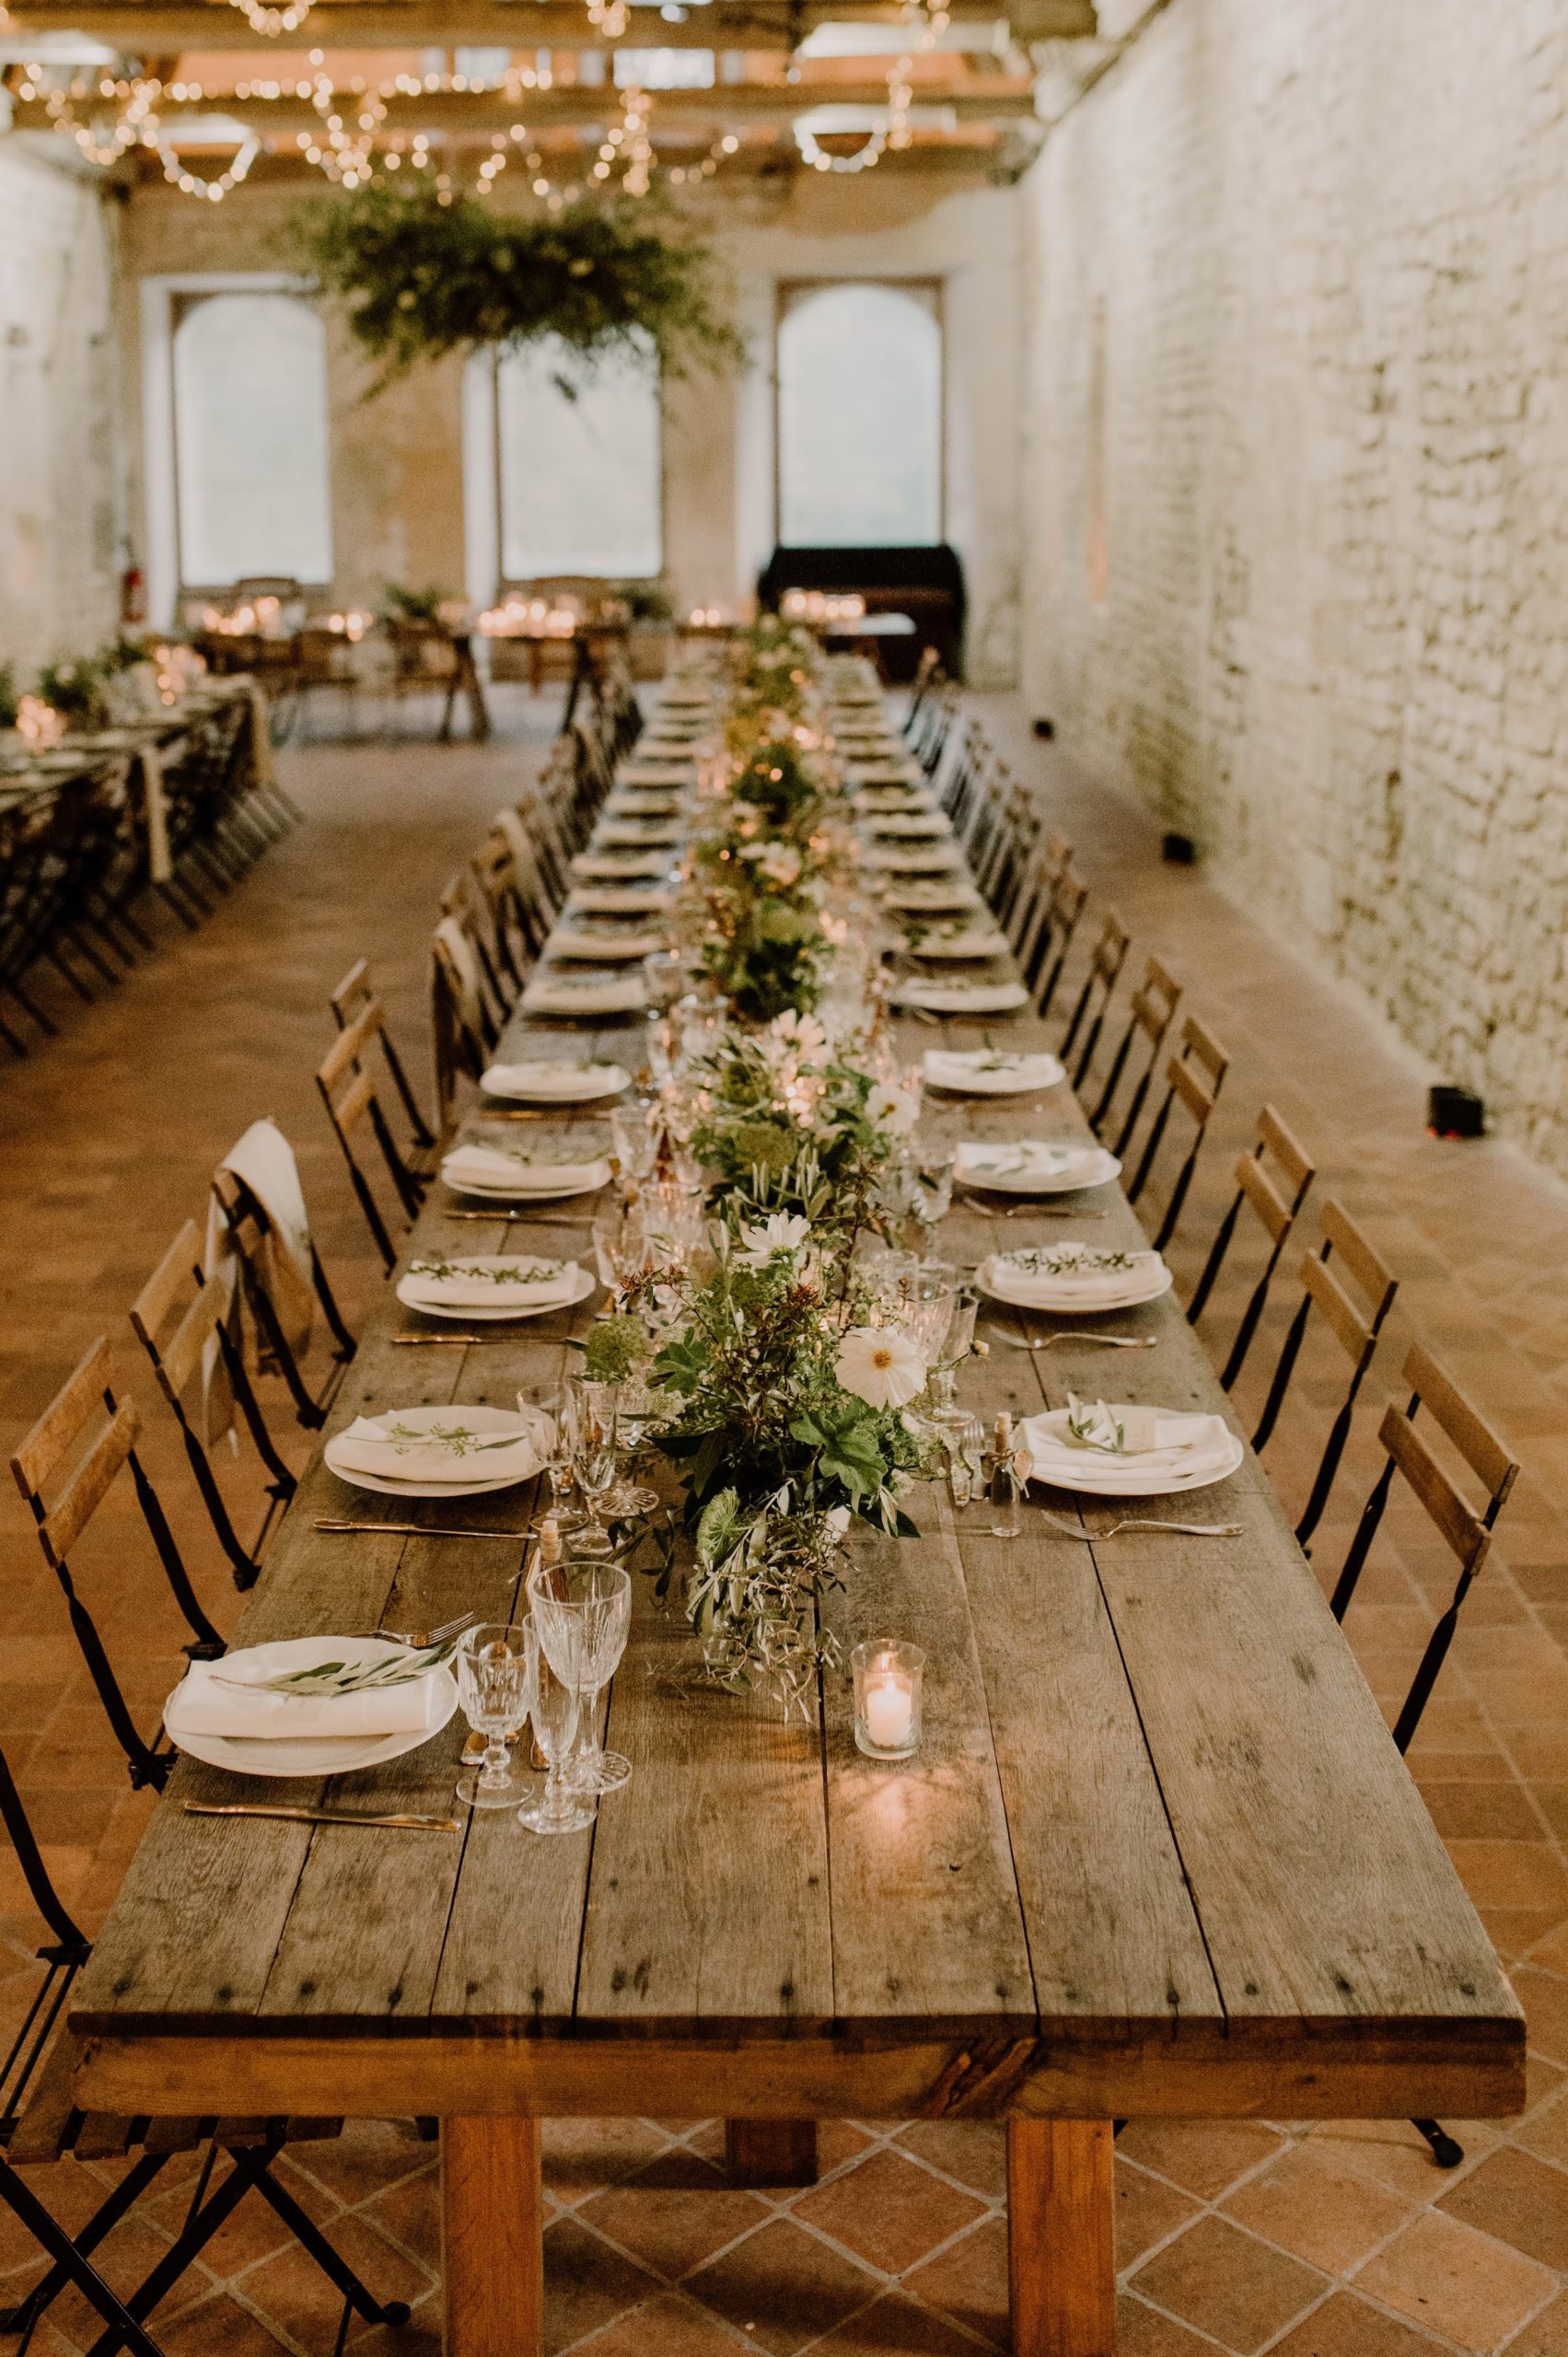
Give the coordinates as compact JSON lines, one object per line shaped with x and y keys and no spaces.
{"x":422,"y":275}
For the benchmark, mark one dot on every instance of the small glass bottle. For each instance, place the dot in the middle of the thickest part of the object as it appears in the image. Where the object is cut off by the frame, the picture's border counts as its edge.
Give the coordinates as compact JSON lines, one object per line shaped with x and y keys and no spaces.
{"x":1006,"y":1486}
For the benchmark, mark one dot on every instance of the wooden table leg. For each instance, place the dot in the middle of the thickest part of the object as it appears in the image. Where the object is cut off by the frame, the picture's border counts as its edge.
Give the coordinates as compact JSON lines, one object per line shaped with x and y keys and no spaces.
{"x":492,"y":2251}
{"x":770,"y":2151}
{"x":1062,"y":2238}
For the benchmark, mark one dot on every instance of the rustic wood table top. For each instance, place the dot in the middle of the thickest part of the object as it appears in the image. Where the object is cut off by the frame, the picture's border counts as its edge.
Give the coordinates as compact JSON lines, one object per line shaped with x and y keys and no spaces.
{"x":1157,"y":1853}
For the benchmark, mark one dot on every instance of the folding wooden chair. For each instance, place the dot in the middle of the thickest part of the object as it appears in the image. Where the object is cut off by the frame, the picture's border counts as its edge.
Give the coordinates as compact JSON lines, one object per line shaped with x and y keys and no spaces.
{"x":249,"y":1226}
{"x":348,"y":1091}
{"x":1466,"y":1529}
{"x":1149,"y":1018}
{"x":1271,"y":1181}
{"x":462,"y":906}
{"x":495,"y":875}
{"x":464,"y":1026}
{"x":1106,"y":961}
{"x":1193,"y":1078}
{"x":1355,"y":1326}
{"x":40,"y":2123}
{"x":1050,"y":864}
{"x":182,"y":1341}
{"x":1047,"y":948}
{"x":356,"y":995}
{"x":65,"y":1468}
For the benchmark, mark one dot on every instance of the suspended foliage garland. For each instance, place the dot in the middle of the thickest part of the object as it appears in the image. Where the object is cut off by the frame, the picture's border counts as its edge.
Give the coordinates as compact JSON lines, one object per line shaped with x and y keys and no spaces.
{"x":422,"y":277}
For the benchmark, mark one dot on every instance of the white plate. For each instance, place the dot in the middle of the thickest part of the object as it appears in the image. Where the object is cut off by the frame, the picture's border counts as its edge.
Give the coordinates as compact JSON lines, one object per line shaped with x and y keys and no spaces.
{"x":623,"y":868}
{"x":958,"y":1072}
{"x":582,"y":1285}
{"x":908,"y":826}
{"x":1096,"y":1167}
{"x":622,"y":899}
{"x":962,"y":998}
{"x":580,"y":1085}
{"x":519,"y":1194}
{"x":1152,"y":1285}
{"x":938,"y":861}
{"x":603,"y":948}
{"x":966,"y":948}
{"x":492,"y":1420}
{"x":250,"y":1756}
{"x":1092,"y":1482}
{"x":934,"y":900}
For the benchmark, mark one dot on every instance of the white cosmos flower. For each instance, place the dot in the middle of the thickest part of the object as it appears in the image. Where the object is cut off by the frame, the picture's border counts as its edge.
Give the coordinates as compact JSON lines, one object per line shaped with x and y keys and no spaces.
{"x":880,"y":1365}
{"x":894,"y":1110}
{"x":780,"y":1232}
{"x":838,"y":1521}
{"x":780,"y":863}
{"x":802,"y":1035}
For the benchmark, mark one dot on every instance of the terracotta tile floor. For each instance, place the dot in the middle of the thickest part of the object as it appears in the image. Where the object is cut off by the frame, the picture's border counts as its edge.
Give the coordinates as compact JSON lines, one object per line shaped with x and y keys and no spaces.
{"x":1341,"y":2241}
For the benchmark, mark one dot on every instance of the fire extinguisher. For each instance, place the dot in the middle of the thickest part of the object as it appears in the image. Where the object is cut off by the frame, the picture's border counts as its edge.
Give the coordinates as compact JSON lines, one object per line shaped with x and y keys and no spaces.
{"x":132,"y":596}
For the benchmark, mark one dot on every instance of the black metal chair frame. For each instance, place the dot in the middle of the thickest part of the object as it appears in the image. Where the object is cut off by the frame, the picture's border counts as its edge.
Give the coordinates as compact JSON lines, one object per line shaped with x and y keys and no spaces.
{"x":1356,"y":1331}
{"x":1149,"y":1017}
{"x":244,"y":1217}
{"x":1278,"y":1210}
{"x":1106,"y":961}
{"x":1194,"y":1077}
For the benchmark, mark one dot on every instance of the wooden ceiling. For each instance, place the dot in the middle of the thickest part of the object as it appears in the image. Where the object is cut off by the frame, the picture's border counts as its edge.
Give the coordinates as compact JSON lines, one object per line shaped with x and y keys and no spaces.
{"x":460,"y":75}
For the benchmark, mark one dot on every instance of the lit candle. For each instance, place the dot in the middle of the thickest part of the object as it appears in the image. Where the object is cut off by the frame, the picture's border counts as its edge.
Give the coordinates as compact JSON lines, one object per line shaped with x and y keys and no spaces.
{"x":889,"y":1710}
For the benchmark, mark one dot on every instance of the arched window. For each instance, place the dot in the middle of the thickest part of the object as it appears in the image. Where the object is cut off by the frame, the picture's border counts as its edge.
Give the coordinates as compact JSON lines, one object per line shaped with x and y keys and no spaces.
{"x":578,"y":479}
{"x":860,"y":417}
{"x":253,"y":490}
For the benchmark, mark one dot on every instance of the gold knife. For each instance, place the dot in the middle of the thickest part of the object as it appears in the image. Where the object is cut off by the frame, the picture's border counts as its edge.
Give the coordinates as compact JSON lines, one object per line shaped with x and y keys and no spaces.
{"x":319,"y":1816}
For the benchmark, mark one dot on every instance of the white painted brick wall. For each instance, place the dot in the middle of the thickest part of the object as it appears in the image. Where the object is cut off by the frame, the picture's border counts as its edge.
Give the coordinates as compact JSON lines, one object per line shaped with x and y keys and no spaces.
{"x":59,"y":540}
{"x":1331,"y":241}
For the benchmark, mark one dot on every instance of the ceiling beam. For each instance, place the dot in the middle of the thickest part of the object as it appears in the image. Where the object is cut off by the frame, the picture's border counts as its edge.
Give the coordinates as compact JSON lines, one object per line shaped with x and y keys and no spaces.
{"x":137,"y":28}
{"x":733,"y":106}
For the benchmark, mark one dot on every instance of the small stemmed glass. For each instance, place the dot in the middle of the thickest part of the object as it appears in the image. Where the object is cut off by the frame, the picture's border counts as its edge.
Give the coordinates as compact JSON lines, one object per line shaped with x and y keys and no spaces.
{"x":593,"y":1460}
{"x":583,"y":1614}
{"x":494,"y":1687}
{"x":553,"y":1706}
{"x":554,"y":1401}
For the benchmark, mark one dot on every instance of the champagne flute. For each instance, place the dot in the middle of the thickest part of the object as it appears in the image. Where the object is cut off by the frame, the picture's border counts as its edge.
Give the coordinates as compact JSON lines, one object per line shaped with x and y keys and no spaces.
{"x":553,"y":1708}
{"x":583,"y":1614}
{"x":492,"y":1685}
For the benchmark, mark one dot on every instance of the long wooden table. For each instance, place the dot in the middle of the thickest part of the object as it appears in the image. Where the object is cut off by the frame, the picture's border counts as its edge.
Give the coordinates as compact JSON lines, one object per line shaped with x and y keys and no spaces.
{"x":1156,"y":1856}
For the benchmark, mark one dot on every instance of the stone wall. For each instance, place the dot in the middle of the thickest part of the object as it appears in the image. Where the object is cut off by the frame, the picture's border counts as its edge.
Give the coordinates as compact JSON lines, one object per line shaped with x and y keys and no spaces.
{"x":1297,"y":504}
{"x":60,"y":552}
{"x":397,"y":460}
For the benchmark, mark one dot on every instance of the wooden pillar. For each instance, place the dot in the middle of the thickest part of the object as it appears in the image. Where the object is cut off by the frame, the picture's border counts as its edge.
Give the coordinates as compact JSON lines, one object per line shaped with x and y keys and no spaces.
{"x":1062,"y":2238}
{"x":490,"y":2230}
{"x":770,"y":2151}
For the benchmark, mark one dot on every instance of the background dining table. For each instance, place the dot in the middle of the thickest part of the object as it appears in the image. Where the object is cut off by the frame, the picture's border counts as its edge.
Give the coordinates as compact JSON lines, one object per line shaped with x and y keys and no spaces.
{"x":1156,"y":1854}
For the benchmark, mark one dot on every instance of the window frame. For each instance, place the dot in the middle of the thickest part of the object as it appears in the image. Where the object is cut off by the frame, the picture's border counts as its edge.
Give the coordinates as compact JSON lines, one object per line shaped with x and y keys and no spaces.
{"x":786,"y":293}
{"x":506,"y":583}
{"x":185,"y":297}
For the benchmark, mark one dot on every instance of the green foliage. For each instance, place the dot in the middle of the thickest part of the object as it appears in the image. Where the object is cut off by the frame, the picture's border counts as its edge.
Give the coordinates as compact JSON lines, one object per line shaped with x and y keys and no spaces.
{"x":821,"y":1159}
{"x":76,"y":688}
{"x":401,"y":604}
{"x":10,"y":695}
{"x":645,"y":601}
{"x":422,"y":278}
{"x":615,"y":1349}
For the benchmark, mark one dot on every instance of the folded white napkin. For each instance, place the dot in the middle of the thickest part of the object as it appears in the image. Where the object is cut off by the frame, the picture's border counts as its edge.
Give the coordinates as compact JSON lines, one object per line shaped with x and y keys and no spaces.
{"x":641,"y":802}
{"x":638,"y":831}
{"x":989,"y":1071}
{"x":908,"y":826}
{"x":640,"y":774}
{"x":1069,"y":1275}
{"x":554,"y":1084}
{"x":940,"y":860}
{"x":1153,"y":1441}
{"x":446,"y":1447}
{"x":607,"y":864}
{"x":963,"y":998}
{"x":1024,"y":1158}
{"x":211,"y":1698}
{"x":520,"y":1173}
{"x":880,"y":773}
{"x":601,"y":945}
{"x":953,"y":892}
{"x":958,"y":941}
{"x":491,"y":1281}
{"x":583,"y":995}
{"x":621,"y":900}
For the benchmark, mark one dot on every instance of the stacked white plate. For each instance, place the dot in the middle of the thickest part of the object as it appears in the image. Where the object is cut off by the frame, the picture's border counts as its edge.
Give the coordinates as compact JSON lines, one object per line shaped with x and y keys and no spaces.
{"x":618,"y":867}
{"x":537,"y":1081}
{"x":955,"y":892}
{"x":1031,"y":1166}
{"x":494,"y":1287}
{"x":962,"y":998}
{"x":621,"y":900}
{"x":1197,"y":1451}
{"x":506,"y":1175}
{"x":632,"y":831}
{"x":908,"y":826}
{"x":942,"y":859}
{"x":958,"y":942}
{"x":205,"y":1702}
{"x":603,"y":945}
{"x":449,"y":1451}
{"x":1074,"y":1280}
{"x":989,"y":1071}
{"x":583,"y":995}
{"x":649,"y":773}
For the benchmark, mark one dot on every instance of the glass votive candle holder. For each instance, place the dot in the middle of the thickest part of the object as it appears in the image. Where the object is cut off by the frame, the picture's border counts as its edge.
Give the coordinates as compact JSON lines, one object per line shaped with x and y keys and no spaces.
{"x":889,"y":1679}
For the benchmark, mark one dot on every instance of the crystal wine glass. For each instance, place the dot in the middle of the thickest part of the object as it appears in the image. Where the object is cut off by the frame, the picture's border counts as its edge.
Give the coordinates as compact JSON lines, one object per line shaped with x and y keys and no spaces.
{"x":583,"y":1614}
{"x":593,"y":1460}
{"x":492,"y":1685}
{"x":638,"y":1404}
{"x":553,"y":1400}
{"x":553,"y":1707}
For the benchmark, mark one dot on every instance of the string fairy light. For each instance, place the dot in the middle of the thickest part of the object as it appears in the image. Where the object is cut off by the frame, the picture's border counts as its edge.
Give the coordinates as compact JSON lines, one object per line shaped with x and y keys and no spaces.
{"x":932,"y":18}
{"x":192,"y":184}
{"x":272,"y":21}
